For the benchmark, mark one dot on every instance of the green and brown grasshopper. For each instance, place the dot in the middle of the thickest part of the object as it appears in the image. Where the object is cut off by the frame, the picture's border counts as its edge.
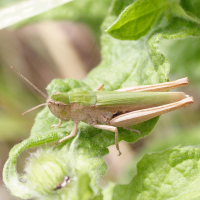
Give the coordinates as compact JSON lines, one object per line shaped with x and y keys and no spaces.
{"x":108,"y":110}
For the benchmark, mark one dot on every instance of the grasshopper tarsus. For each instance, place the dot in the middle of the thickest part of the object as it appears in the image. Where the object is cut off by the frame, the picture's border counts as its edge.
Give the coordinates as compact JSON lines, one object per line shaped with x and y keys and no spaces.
{"x":116,"y":143}
{"x":57,"y":125}
{"x":72,"y":134}
{"x":120,"y":153}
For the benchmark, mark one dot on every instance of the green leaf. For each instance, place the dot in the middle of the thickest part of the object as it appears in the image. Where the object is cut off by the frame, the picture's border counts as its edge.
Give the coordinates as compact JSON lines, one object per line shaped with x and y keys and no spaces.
{"x":177,"y":29}
{"x":180,"y":12}
{"x":137,"y":19}
{"x":25,"y":9}
{"x":108,"y":191}
{"x":160,"y":142}
{"x":46,"y":169}
{"x":173,"y":174}
{"x":84,"y":190}
{"x":10,"y":176}
{"x":191,"y":6}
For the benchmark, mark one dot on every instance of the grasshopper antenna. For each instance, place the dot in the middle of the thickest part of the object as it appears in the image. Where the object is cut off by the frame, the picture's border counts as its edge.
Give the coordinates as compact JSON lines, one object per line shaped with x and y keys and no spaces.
{"x":42,"y":93}
{"x":43,"y":104}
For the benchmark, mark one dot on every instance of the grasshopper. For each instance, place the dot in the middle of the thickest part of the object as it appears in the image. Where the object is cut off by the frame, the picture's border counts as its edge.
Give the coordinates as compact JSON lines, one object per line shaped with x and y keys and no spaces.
{"x":108,"y":110}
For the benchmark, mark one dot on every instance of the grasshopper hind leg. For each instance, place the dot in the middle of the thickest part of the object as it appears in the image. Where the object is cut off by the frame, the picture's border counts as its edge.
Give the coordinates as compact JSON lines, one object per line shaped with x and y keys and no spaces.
{"x":112,"y":129}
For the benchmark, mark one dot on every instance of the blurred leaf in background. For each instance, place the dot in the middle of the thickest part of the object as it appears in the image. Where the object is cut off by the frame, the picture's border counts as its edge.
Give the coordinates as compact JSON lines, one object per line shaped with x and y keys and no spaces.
{"x":6,"y":2}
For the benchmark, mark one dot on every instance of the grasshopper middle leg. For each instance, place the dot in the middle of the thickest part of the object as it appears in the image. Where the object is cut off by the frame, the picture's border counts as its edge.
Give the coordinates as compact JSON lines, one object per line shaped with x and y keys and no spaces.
{"x":112,"y":129}
{"x":72,"y":134}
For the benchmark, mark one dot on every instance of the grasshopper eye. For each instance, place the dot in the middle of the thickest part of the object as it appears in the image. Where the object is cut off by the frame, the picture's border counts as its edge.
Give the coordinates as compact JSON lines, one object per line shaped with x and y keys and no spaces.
{"x":59,"y":106}
{"x":57,"y":103}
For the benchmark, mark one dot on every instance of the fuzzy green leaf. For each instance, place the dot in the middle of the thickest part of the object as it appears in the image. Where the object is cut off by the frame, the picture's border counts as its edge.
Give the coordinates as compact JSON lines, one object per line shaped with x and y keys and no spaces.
{"x":46,"y":170}
{"x":177,"y":29}
{"x":173,"y":174}
{"x":137,"y":19}
{"x":180,"y":12}
{"x":191,"y":6}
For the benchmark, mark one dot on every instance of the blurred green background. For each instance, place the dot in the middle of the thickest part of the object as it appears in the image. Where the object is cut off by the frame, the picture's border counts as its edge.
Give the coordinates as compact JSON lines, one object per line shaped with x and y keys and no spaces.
{"x":62,"y":43}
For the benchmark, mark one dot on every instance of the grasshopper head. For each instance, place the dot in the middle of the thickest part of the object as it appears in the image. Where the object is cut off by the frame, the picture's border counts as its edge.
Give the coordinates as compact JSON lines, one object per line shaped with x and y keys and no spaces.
{"x":58,"y":103}
{"x":59,"y":106}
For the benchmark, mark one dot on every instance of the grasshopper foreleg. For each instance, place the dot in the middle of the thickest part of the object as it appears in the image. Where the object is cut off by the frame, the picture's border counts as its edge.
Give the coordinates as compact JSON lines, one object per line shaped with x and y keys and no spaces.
{"x":112,"y":129}
{"x":72,"y":134}
{"x":57,"y":125}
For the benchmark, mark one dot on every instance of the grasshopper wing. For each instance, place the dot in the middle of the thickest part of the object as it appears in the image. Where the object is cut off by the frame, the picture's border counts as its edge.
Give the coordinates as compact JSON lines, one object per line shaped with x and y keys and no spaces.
{"x":138,"y":116}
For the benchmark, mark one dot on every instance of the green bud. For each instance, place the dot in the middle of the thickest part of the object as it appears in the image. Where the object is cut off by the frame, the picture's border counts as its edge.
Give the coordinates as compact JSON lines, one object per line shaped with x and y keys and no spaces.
{"x":52,"y":174}
{"x":46,"y":170}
